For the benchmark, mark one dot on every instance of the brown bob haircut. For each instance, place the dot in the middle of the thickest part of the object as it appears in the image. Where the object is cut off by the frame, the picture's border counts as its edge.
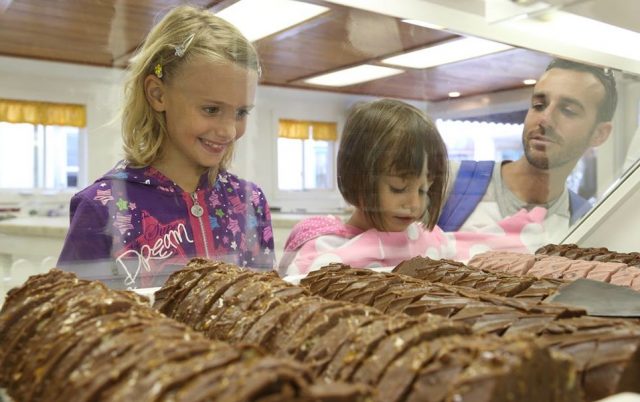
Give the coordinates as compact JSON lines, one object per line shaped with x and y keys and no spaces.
{"x":390,"y":137}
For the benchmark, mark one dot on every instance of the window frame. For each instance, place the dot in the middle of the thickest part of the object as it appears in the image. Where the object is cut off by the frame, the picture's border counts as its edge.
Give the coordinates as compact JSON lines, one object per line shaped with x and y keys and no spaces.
{"x":306,"y":201}
{"x":40,"y":189}
{"x":303,"y":144}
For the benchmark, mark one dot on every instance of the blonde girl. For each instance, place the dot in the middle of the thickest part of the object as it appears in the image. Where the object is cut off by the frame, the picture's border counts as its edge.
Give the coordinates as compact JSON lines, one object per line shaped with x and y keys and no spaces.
{"x":188,"y":93}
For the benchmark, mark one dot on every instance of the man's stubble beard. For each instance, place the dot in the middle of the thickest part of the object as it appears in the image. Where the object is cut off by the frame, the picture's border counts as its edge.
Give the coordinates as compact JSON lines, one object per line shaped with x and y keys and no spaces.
{"x":541,"y":163}
{"x":553,"y":161}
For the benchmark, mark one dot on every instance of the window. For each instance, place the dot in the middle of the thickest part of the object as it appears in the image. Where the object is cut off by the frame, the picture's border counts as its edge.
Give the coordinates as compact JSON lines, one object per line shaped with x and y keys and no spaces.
{"x":478,"y":140}
{"x":39,"y":144}
{"x":38,"y":156}
{"x":306,"y":155}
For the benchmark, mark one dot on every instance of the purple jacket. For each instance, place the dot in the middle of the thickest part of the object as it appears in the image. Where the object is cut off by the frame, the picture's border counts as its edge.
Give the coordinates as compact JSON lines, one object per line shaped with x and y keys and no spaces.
{"x":134,"y":226}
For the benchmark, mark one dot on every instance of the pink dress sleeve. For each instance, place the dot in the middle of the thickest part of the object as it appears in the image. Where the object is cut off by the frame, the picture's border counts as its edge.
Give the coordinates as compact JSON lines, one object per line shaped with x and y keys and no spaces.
{"x":304,"y":235}
{"x":368,"y":249}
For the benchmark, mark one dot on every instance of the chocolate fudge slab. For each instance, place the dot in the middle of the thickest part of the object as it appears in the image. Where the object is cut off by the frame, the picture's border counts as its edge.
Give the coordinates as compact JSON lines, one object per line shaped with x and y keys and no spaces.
{"x":363,"y":342}
{"x":392,"y":347}
{"x":267,"y":330}
{"x":325,"y":349}
{"x":87,"y":342}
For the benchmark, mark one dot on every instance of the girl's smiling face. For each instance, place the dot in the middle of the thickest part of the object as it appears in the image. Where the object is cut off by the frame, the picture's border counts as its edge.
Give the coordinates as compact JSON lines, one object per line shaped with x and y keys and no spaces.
{"x":403,"y":200}
{"x":206,"y":106}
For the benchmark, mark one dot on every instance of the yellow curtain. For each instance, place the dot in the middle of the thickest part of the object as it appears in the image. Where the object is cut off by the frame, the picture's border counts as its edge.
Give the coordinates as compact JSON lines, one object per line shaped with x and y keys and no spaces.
{"x":324,"y":131}
{"x":296,"y":129}
{"x":47,"y":113}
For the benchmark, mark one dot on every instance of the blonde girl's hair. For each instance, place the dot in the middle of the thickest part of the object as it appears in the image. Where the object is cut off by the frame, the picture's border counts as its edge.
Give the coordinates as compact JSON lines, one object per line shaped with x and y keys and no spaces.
{"x":385,"y":137}
{"x":183,"y":33}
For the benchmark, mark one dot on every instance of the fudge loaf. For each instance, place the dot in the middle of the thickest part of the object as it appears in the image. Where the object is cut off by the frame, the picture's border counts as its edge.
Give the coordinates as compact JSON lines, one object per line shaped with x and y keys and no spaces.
{"x":574,"y":252}
{"x":498,"y":283}
{"x":404,"y":358}
{"x":395,"y":293}
{"x":557,"y":267}
{"x":601,"y":371}
{"x":64,"y":339}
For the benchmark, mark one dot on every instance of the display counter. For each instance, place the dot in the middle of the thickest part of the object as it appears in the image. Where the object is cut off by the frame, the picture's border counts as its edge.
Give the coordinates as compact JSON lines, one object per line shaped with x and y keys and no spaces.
{"x":31,"y":245}
{"x":36,"y":238}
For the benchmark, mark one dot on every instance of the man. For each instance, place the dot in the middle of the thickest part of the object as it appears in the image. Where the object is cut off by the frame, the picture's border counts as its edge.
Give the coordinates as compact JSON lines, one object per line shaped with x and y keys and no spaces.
{"x":571,"y":110}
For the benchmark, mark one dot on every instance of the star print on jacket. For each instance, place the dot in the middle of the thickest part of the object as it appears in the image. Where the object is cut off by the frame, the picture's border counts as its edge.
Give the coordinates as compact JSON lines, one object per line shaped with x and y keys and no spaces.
{"x":141,"y":222}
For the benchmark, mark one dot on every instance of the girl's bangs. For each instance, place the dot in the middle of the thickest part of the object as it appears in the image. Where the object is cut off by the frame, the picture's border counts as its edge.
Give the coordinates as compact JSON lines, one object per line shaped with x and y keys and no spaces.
{"x":406,"y":157}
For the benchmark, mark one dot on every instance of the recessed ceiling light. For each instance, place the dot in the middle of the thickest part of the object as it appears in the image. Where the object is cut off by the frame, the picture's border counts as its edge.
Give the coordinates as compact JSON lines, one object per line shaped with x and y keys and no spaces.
{"x":353,"y":75}
{"x":447,"y":52}
{"x":529,"y":81}
{"x":257,"y":19}
{"x":454,"y":94}
{"x":424,"y":24}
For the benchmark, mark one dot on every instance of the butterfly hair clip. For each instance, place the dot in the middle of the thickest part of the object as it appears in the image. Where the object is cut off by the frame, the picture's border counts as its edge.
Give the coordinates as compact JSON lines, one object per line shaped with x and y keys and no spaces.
{"x":180,"y":49}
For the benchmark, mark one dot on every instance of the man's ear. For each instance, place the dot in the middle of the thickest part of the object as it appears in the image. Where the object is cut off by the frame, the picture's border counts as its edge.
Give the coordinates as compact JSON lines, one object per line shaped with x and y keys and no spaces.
{"x":601,"y":134}
{"x":154,"y":91}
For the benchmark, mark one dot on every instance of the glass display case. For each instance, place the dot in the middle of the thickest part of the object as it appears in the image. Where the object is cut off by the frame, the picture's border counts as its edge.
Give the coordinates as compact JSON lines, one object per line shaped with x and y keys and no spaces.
{"x":478,"y":99}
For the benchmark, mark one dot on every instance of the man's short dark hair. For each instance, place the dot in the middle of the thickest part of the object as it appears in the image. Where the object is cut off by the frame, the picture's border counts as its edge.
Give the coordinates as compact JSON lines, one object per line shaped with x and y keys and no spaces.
{"x":604,"y":75}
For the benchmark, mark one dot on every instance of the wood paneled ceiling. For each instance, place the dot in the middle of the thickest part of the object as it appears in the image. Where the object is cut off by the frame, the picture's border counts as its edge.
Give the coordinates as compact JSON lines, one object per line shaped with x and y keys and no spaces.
{"x":107,"y":32}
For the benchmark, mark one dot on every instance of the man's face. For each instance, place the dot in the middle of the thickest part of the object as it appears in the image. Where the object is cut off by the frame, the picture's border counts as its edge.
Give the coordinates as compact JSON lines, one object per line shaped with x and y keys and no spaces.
{"x":561,"y":123}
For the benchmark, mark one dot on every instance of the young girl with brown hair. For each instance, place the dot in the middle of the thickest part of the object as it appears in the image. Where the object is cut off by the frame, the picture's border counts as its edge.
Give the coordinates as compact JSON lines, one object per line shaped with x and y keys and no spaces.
{"x":392,"y":168}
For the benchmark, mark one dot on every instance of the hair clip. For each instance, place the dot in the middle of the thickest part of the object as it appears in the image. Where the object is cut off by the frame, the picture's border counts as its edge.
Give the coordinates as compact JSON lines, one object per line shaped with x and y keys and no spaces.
{"x":180,"y":49}
{"x":157,"y":70}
